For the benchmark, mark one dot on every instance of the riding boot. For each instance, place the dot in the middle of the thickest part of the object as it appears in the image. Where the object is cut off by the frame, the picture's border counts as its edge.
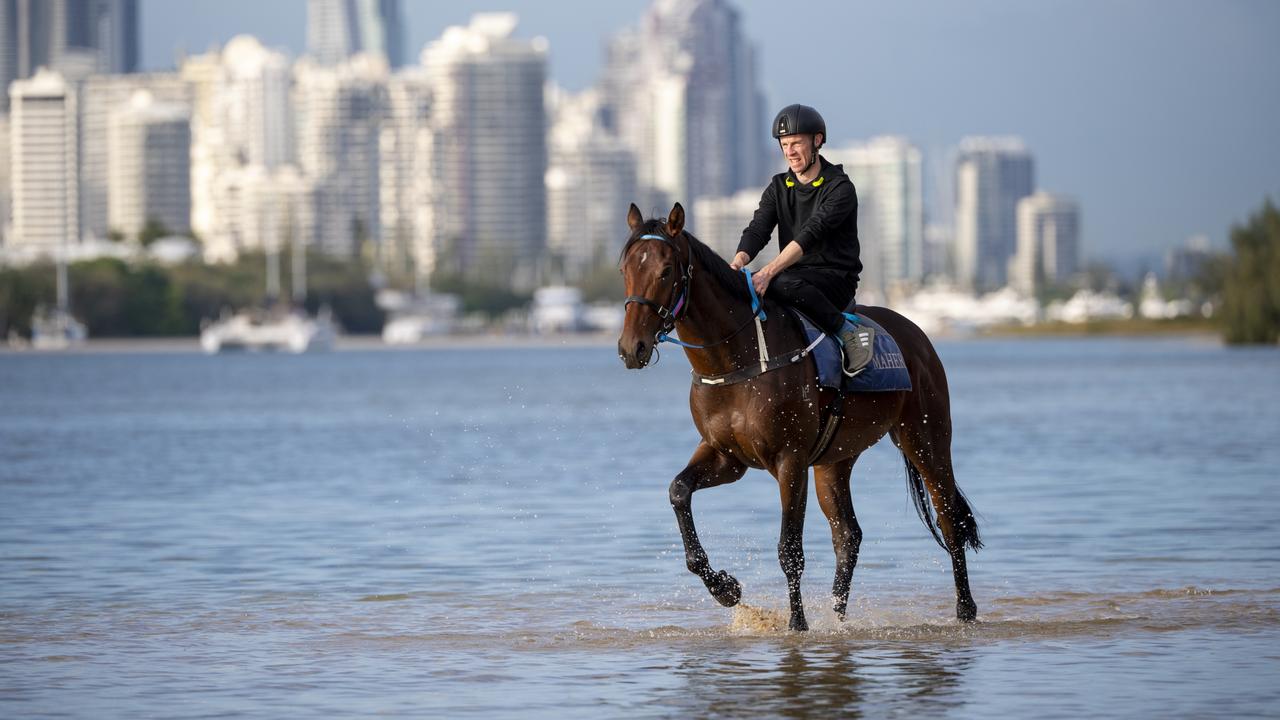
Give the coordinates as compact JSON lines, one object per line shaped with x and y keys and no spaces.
{"x":858,"y":342}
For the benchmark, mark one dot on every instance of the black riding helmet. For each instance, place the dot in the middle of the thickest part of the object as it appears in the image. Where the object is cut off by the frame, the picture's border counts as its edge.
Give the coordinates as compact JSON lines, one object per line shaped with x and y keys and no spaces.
{"x":798,"y":120}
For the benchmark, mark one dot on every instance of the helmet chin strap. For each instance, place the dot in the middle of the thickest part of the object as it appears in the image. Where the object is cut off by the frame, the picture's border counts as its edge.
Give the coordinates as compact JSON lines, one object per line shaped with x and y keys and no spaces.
{"x":812,"y":160}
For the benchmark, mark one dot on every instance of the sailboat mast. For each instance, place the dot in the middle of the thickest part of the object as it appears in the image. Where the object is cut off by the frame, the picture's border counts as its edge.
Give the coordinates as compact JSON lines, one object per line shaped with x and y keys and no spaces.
{"x":273,"y":258}
{"x":299,"y":279}
{"x":64,"y":297}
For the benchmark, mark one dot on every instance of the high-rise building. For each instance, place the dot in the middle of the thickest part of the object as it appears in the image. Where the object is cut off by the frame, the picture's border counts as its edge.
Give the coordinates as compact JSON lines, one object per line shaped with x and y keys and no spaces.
{"x":682,"y":93}
{"x":488,"y":149}
{"x":339,"y":29}
{"x":267,"y":210}
{"x":719,"y":222}
{"x":992,"y":175}
{"x":340,"y":110}
{"x":6,"y":181}
{"x":1048,"y":242}
{"x":74,"y":37}
{"x":406,"y":118}
{"x":887,"y":174}
{"x":149,"y":170}
{"x":590,"y":186}
{"x":241,"y":117}
{"x":100,"y":96}
{"x":43,"y":156}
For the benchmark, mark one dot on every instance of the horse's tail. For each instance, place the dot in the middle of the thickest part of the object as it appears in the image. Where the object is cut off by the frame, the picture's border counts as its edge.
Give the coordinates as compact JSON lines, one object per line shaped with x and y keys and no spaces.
{"x":966,"y":525}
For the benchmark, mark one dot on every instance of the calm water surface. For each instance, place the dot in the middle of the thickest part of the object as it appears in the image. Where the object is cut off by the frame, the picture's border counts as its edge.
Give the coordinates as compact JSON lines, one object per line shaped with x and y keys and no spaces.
{"x":450,"y":533}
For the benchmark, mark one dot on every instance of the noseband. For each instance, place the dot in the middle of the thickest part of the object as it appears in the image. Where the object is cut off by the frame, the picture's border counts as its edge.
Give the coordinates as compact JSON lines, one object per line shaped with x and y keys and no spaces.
{"x":679,"y":295}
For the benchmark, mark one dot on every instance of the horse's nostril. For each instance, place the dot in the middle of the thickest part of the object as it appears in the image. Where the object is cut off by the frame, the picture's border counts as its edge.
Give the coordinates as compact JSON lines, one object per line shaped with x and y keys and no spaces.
{"x":640,"y":349}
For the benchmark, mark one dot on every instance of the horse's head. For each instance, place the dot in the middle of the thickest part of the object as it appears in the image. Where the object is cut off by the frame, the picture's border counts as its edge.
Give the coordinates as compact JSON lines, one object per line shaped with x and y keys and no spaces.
{"x":656,"y":276}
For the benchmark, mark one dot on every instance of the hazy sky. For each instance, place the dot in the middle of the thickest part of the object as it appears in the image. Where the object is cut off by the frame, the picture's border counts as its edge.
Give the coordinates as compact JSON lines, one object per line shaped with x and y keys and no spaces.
{"x":1161,"y":116}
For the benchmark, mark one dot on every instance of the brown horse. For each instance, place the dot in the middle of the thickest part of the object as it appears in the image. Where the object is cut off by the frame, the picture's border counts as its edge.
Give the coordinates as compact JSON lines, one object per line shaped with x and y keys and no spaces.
{"x":773,"y":420}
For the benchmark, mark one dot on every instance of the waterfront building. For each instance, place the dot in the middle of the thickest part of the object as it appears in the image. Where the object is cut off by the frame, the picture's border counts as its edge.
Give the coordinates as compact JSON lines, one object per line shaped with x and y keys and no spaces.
{"x":488,"y":152}
{"x":268,"y":210}
{"x":681,"y":92}
{"x":340,"y":109}
{"x":992,"y":175}
{"x":719,"y":223}
{"x":241,"y":117}
{"x":590,"y":187}
{"x":887,"y":174}
{"x":1048,"y":242}
{"x":340,"y":29}
{"x":406,"y":118}
{"x":100,"y":97}
{"x":6,"y":182}
{"x":74,"y":37}
{"x":43,"y":158}
{"x":149,"y":170}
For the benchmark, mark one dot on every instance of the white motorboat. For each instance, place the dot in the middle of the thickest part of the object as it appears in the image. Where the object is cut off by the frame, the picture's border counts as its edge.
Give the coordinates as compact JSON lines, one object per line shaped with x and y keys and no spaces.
{"x":291,"y":331}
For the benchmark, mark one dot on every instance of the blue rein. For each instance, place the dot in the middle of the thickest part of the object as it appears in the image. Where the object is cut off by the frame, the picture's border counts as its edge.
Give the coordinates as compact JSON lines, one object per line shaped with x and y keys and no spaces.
{"x":757,"y":310}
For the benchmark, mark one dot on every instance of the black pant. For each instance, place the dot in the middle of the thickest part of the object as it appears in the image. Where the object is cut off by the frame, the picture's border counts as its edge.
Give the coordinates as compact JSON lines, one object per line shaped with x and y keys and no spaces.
{"x":821,"y":293}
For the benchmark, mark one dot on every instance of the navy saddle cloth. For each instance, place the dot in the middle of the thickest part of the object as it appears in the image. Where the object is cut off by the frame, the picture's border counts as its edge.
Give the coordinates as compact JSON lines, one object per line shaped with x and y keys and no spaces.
{"x":886,"y":372}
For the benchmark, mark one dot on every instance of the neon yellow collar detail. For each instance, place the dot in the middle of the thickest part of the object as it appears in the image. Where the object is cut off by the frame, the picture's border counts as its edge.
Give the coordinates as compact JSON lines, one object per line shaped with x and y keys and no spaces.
{"x":815,"y":183}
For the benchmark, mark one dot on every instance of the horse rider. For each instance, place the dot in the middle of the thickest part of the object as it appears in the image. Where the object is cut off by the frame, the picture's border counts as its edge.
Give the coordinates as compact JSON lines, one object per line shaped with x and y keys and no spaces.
{"x":815,"y":208}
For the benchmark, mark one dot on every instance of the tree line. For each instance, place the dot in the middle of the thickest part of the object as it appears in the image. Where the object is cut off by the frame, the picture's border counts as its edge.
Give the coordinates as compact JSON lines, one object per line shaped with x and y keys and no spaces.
{"x":116,"y":298}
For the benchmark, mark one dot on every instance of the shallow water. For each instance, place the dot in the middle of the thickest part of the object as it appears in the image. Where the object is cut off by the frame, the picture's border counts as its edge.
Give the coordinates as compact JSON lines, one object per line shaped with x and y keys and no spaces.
{"x":455,"y":533}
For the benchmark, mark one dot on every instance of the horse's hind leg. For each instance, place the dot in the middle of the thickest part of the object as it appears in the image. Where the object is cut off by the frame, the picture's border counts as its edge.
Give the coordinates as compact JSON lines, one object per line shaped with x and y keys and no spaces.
{"x":927,"y":449}
{"x":832,"y":485}
{"x":707,"y":468}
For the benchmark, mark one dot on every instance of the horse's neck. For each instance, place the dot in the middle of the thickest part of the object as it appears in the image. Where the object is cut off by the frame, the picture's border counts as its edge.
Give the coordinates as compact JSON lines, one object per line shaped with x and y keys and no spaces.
{"x":714,"y":314}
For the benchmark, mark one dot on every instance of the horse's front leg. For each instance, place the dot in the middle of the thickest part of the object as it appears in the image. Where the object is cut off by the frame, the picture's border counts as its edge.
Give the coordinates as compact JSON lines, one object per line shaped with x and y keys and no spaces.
{"x":707,"y":468}
{"x":793,"y":486}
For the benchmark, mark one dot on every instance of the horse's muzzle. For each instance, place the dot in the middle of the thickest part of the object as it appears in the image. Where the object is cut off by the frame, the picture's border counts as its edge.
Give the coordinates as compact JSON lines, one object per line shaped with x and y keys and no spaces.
{"x":635,"y":355}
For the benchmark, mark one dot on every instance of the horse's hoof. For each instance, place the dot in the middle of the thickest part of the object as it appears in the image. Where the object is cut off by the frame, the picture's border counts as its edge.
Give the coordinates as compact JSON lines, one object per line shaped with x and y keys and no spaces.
{"x":798,"y":623}
{"x":725,"y":588}
{"x":966,"y":611}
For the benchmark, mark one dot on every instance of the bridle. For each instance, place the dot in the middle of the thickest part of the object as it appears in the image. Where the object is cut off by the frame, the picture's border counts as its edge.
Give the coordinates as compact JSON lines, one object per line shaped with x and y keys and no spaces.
{"x":680,"y":297}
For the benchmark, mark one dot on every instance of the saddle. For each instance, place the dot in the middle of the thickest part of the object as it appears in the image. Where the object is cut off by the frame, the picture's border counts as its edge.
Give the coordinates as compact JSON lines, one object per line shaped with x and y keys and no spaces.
{"x":886,"y":372}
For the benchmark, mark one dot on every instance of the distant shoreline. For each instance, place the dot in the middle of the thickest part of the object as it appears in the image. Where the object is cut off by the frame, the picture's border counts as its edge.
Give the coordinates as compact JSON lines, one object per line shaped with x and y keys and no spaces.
{"x":345,"y":343}
{"x":1137,"y":329}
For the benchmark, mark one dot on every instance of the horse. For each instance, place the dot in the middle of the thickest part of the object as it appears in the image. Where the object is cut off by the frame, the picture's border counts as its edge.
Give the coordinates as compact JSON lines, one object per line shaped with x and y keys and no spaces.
{"x":772,"y":421}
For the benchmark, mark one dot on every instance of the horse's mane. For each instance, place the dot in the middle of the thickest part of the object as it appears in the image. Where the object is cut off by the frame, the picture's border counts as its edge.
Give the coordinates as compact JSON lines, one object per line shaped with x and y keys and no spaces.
{"x":708,"y":260}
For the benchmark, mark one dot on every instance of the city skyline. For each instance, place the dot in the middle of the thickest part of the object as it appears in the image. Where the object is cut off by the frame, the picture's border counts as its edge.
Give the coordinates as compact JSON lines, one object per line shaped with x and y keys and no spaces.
{"x":1173,"y":91}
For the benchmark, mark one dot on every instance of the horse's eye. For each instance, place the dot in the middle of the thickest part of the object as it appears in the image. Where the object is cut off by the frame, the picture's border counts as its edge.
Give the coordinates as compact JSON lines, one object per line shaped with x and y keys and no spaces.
{"x":666,"y":272}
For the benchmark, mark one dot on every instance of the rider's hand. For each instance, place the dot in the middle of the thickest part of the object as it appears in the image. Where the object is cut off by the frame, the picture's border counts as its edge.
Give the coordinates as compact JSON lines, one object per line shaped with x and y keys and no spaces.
{"x":740,"y":261}
{"x":761,"y":279}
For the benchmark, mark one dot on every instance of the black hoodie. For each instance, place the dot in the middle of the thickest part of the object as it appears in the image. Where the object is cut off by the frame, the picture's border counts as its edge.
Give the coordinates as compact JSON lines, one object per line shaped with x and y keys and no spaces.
{"x":821,"y":217}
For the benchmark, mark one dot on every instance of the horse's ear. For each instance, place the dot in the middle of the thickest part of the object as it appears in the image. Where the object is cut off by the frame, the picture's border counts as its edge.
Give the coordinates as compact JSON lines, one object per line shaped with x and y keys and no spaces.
{"x":634,"y":218}
{"x":675,"y":221}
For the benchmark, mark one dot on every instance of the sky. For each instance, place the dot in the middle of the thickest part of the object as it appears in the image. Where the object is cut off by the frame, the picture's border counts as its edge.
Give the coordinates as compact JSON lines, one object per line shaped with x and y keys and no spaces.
{"x":1161,"y":117}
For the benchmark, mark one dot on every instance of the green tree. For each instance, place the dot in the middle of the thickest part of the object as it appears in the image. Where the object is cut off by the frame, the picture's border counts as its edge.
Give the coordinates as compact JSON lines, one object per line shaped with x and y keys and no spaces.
{"x":1251,"y":283}
{"x":490,"y":299}
{"x":21,"y":290}
{"x":152,"y":231}
{"x":604,"y":284}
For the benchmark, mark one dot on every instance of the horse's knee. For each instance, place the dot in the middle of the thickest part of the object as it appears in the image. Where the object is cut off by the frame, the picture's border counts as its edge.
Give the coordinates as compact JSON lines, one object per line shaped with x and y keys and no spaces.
{"x":680,"y":491}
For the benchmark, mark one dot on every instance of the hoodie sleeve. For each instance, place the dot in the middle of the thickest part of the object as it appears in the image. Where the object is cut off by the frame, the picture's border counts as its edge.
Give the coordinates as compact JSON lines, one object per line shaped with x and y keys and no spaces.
{"x":756,"y":235}
{"x":840,"y":200}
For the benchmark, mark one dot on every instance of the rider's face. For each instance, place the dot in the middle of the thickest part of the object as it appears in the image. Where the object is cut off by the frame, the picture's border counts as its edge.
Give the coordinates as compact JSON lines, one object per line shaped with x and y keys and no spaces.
{"x":798,"y":151}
